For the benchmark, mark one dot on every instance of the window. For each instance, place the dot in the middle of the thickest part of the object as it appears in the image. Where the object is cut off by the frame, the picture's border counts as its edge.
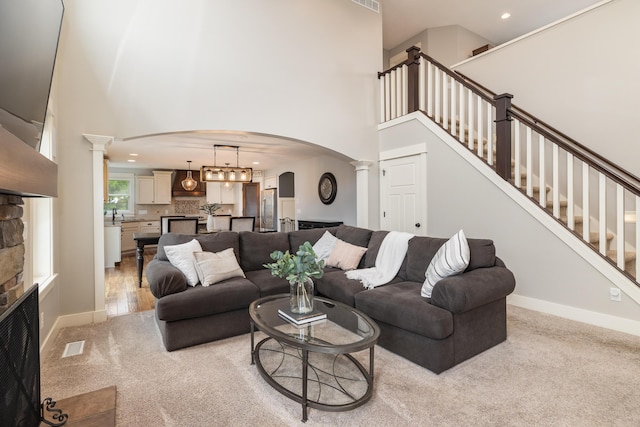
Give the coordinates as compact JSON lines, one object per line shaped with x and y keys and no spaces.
{"x":120,"y":192}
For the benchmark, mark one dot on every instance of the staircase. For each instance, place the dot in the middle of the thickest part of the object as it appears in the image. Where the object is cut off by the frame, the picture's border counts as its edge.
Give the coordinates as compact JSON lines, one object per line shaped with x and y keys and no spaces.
{"x":527,"y":153}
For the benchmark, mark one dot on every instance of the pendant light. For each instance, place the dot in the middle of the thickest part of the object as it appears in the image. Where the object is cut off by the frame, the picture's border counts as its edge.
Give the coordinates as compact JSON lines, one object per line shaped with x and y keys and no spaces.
{"x":189,"y":183}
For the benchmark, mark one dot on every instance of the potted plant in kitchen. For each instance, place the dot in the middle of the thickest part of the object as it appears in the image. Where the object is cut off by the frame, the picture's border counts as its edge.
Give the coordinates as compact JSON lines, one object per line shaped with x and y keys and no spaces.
{"x":298,"y":269}
{"x":210,"y":209}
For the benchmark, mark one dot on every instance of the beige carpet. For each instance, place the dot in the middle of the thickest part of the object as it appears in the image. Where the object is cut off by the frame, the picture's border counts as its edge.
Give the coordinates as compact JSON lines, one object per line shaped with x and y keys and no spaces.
{"x":549,"y":372}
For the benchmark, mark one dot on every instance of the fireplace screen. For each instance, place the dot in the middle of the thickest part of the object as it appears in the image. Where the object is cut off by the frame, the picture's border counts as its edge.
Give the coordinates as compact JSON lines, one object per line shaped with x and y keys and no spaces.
{"x":20,"y":362}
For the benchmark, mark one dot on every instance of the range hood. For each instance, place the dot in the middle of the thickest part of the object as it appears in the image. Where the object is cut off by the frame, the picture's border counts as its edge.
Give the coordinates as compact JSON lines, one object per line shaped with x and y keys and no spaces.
{"x":178,"y":191}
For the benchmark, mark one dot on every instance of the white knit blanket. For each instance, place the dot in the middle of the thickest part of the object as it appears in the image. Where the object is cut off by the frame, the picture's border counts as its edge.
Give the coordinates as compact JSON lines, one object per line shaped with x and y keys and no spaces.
{"x":388,"y":261}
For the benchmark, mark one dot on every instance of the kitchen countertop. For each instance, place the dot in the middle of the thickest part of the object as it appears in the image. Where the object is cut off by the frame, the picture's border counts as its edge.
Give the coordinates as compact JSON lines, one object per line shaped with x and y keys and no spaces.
{"x":119,"y":221}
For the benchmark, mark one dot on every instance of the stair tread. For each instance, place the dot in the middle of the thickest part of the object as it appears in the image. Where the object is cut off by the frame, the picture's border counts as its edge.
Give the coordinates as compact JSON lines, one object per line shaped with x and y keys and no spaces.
{"x":594,"y":236}
{"x":628,"y":255}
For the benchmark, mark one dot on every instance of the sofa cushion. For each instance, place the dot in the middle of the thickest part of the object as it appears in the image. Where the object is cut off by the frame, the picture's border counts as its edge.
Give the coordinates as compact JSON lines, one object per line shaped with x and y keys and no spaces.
{"x":345,"y":255}
{"x":198,"y":301}
{"x":400,"y":305}
{"x":255,"y":248}
{"x":324,"y":246}
{"x":267,"y":283}
{"x":214,"y":242}
{"x":312,"y":235}
{"x":356,"y":236}
{"x":336,"y":286}
{"x":182,"y":257}
{"x":214,"y":267}
{"x":452,"y":258}
{"x":373,"y":247}
{"x":164,"y":278}
{"x":422,"y":249}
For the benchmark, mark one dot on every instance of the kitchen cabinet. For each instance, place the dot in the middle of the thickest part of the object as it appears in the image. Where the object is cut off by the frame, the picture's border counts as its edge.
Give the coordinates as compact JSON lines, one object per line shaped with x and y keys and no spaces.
{"x":270,"y":182}
{"x":218,"y":193}
{"x":154,"y":190}
{"x":126,"y":238}
{"x":150,"y":227}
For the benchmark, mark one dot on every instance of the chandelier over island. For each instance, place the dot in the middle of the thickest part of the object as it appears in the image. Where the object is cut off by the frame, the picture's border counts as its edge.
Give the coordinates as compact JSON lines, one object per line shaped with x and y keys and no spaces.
{"x":226,"y":173}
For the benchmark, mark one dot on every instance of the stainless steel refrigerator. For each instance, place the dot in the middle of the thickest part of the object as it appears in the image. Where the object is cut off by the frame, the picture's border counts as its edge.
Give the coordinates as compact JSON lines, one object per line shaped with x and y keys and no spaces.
{"x":269,"y":209}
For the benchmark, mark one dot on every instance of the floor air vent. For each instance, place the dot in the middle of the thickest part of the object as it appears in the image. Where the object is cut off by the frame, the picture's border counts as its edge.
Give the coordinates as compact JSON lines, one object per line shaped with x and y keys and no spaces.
{"x":369,"y":4}
{"x":73,"y":349}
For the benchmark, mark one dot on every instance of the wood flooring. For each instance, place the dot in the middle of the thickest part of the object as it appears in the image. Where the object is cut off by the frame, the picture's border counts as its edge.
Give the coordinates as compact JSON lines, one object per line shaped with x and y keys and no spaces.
{"x":122,"y":294}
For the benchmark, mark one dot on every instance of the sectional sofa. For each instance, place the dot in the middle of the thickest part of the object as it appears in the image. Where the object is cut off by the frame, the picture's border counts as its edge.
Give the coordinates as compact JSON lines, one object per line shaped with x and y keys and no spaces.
{"x":465,"y":315}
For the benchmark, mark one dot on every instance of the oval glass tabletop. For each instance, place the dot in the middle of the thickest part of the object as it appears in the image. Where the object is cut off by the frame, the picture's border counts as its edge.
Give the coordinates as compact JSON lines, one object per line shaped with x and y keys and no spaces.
{"x":344,"y":330}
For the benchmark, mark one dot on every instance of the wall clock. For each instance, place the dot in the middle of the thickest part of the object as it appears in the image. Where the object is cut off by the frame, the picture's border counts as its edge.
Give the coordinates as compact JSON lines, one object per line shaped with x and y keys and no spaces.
{"x":327,"y":188}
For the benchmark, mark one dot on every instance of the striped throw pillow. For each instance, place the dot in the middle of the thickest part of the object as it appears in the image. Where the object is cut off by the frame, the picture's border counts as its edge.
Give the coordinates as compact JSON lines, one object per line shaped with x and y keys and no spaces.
{"x":452,"y":258}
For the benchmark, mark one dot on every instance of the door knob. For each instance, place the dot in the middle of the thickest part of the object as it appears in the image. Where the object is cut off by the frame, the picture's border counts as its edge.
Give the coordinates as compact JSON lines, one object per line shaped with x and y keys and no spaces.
{"x":417,"y":225}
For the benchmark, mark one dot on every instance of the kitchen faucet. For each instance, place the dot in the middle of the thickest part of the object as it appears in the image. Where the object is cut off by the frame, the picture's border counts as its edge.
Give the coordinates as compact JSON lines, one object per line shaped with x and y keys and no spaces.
{"x":113,"y":215}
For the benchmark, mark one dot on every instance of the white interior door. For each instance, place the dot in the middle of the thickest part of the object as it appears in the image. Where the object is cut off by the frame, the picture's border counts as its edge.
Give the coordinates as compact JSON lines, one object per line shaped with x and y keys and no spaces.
{"x":403,"y":194}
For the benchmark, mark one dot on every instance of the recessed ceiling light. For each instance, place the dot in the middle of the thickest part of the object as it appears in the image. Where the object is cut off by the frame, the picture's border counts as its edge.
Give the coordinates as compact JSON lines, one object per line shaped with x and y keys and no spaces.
{"x":256,"y":163}
{"x":505,"y":15}
{"x":133,"y":154}
{"x":131,"y":161}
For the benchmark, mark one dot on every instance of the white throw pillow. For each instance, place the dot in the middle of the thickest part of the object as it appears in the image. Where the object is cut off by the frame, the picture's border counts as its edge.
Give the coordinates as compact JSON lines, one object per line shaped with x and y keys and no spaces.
{"x":181,"y":256}
{"x":345,"y":255}
{"x":324,"y":246}
{"x":213,"y":267}
{"x":452,"y":258}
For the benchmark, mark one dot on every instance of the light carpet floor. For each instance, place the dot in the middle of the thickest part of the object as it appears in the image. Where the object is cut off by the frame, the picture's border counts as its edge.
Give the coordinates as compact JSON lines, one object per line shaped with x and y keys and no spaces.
{"x":549,"y":372}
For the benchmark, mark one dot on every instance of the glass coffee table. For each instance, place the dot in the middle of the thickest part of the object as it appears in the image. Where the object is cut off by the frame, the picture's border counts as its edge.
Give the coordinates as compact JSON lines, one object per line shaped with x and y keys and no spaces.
{"x":314,"y":364}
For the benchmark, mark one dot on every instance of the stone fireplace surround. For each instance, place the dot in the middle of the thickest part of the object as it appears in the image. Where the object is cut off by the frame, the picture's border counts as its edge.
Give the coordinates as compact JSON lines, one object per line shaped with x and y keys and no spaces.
{"x":11,"y":250}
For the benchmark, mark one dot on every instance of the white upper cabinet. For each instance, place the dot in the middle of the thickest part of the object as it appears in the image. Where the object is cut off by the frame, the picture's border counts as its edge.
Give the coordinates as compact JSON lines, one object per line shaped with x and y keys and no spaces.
{"x":270,"y":182}
{"x":154,"y":190}
{"x":218,"y":193}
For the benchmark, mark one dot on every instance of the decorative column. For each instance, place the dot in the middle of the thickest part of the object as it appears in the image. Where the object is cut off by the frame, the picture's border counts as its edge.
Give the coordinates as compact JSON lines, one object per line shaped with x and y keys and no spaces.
{"x":99,"y":147}
{"x":362,"y":192}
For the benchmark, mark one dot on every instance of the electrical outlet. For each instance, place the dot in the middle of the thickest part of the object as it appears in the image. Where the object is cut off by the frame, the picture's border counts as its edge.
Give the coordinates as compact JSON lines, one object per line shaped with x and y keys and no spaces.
{"x":615,"y":294}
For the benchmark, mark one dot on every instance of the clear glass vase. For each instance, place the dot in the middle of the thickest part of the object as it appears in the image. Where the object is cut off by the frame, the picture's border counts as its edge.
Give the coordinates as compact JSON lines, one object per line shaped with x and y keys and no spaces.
{"x":301,"y":296}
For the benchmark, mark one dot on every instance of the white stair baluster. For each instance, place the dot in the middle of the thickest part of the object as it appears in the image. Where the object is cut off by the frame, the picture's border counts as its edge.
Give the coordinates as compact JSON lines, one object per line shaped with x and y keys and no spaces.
{"x":470,"y":126}
{"x":454,"y":83}
{"x":437,"y":98}
{"x":516,"y":154}
{"x":542,"y":196}
{"x":489,"y":107}
{"x":445,"y":100}
{"x":585,"y":202}
{"x":637,"y":248}
{"x":462,"y":109}
{"x":429,"y":89}
{"x":555,"y":183}
{"x":422,"y":80}
{"x":405,"y":90}
{"x":602,"y":213}
{"x":620,"y":226}
{"x":387,"y":90}
{"x":571,"y":220}
{"x":480,"y":130}
{"x":394,"y":99}
{"x":529,"y":163}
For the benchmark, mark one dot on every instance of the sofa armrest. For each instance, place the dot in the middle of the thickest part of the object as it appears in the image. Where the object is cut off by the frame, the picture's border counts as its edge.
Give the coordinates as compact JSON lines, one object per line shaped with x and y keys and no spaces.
{"x":473,"y":289}
{"x":164,"y":278}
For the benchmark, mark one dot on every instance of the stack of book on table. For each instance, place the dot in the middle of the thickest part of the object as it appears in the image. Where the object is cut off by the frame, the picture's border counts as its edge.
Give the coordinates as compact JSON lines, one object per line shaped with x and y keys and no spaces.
{"x":301,"y":319}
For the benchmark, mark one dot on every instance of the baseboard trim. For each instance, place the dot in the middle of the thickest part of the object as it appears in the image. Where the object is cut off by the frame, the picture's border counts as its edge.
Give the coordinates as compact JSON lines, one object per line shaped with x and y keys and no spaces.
{"x":70,"y":320}
{"x":607,"y":321}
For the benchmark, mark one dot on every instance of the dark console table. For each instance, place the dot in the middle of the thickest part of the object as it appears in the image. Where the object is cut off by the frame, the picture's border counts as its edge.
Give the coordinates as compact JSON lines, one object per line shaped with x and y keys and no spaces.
{"x":143,"y":239}
{"x":307,"y":224}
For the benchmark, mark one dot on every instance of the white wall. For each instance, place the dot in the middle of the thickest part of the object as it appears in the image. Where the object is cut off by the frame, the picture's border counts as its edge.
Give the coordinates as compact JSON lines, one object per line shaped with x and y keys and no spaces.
{"x":297,"y":69}
{"x":308,"y":204}
{"x":546,"y":269}
{"x":580,"y":76}
{"x":448,"y":45}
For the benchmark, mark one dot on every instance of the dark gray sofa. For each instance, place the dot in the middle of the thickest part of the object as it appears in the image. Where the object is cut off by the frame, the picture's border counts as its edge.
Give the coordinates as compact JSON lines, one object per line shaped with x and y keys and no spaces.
{"x":465,"y":315}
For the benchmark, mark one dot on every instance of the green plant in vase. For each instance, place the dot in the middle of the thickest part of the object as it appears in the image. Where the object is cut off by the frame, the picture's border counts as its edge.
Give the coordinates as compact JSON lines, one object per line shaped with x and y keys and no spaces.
{"x":210,"y":209}
{"x":298,"y":269}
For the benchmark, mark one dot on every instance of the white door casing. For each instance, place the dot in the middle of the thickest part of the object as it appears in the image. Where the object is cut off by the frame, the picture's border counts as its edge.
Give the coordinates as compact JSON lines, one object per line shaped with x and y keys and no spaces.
{"x":403,"y":194}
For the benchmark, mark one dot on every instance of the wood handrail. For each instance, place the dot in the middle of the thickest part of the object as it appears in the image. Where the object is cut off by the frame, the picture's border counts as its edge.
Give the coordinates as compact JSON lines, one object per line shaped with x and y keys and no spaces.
{"x":614,"y":171}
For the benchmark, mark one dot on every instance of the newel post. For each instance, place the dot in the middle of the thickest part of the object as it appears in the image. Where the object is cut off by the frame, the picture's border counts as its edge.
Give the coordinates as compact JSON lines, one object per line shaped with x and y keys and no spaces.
{"x":413,"y":79}
{"x":503,"y":135}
